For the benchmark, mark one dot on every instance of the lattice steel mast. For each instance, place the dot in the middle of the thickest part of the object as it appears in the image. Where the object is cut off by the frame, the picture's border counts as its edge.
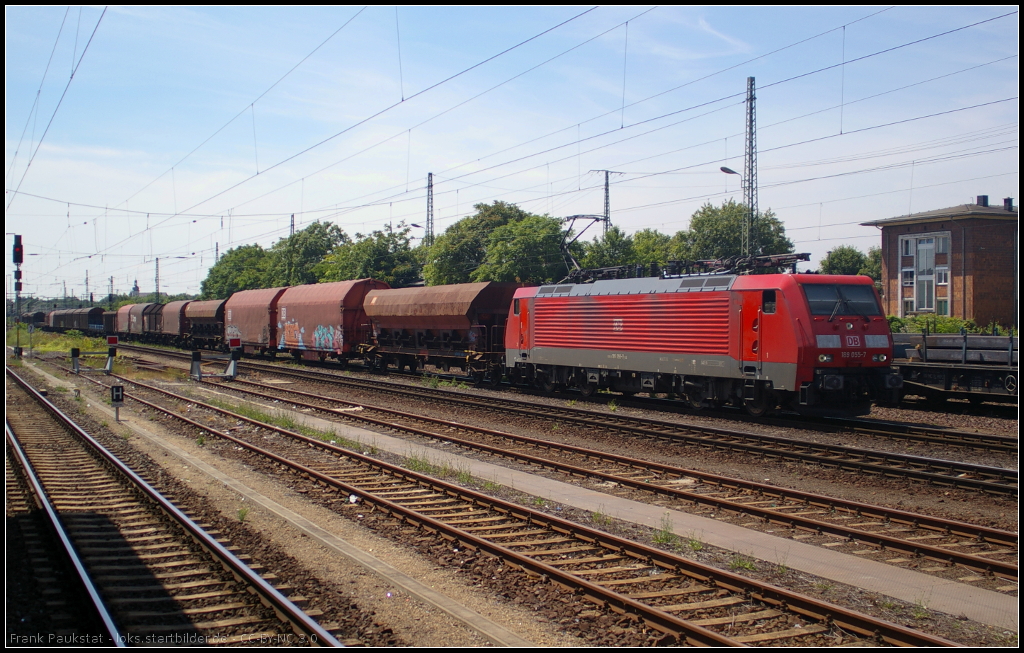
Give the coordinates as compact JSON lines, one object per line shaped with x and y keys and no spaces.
{"x":750,"y":173}
{"x":428,"y":237}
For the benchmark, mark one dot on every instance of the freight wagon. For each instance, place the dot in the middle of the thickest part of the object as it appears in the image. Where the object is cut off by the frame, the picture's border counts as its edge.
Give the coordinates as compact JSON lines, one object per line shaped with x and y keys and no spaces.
{"x":461,"y":325}
{"x":952,"y":366}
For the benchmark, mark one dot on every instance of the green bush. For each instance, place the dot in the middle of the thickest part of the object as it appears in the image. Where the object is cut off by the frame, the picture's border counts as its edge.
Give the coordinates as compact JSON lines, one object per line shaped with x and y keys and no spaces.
{"x":942,"y":324}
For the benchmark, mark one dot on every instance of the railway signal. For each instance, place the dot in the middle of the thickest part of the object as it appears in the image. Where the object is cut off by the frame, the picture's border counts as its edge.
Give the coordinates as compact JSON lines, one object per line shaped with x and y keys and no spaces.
{"x":117,"y":400}
{"x":18,"y":256}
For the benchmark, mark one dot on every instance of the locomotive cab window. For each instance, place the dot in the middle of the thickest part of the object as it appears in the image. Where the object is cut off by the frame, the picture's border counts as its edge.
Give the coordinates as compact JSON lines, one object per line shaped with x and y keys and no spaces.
{"x":515,"y":307}
{"x":768,"y":302}
{"x":841,"y":299}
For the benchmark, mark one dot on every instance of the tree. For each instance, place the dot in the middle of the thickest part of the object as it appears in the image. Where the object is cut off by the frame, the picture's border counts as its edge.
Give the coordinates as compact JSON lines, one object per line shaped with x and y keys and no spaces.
{"x":612,"y":248}
{"x":525,"y":250}
{"x":293,"y":259}
{"x":385,"y":255}
{"x":651,"y":246}
{"x":873,"y":265}
{"x":462,"y":248}
{"x":241,"y":268}
{"x":844,"y":259}
{"x":717,"y":232}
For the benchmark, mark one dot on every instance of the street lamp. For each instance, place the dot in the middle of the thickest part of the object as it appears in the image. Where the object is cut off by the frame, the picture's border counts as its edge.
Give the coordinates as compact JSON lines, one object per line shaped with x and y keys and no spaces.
{"x":749,"y":218}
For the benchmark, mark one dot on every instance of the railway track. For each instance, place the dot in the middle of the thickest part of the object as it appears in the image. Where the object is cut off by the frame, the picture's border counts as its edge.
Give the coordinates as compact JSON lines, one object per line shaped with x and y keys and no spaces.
{"x":939,"y":472}
{"x":980,"y":549}
{"x":868,"y":427}
{"x":45,"y":593}
{"x":687,"y":601}
{"x":987,"y":551}
{"x":160,"y":577}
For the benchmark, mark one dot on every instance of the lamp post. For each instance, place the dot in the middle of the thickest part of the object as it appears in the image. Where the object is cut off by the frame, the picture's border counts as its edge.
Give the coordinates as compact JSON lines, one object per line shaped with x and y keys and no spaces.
{"x":748,"y":217}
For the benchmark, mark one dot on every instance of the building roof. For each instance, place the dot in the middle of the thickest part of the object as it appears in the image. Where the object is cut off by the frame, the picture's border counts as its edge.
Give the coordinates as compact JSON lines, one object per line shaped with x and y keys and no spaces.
{"x":962,"y":211}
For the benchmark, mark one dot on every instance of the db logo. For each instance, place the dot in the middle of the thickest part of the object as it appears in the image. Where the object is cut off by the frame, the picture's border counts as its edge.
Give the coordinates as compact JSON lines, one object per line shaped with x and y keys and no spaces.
{"x":617,"y":324}
{"x":853,"y":341}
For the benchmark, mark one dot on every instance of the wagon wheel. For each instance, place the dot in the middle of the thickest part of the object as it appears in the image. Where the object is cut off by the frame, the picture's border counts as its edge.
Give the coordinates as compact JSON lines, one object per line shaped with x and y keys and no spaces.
{"x":494,"y":378}
{"x":547,"y":385}
{"x":588,"y":389}
{"x":760,"y":405}
{"x":515,"y":375}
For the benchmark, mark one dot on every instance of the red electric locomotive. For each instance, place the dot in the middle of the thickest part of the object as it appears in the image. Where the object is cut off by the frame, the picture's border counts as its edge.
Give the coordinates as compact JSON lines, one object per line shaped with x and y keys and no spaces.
{"x":807,"y":342}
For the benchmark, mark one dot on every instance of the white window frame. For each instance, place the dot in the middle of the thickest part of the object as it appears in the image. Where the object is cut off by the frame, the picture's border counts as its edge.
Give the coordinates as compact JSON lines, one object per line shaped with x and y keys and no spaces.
{"x":910,"y":246}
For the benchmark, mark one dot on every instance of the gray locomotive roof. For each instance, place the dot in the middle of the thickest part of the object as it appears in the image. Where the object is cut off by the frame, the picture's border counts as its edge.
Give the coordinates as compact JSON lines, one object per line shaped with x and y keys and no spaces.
{"x":640,"y":286}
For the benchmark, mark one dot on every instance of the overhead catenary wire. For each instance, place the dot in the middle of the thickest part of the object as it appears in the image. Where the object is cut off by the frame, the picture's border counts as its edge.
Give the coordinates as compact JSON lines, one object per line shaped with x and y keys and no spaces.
{"x":35,"y":102}
{"x":554,"y":183}
{"x":388,"y":108}
{"x":57,"y":108}
{"x":390,"y":198}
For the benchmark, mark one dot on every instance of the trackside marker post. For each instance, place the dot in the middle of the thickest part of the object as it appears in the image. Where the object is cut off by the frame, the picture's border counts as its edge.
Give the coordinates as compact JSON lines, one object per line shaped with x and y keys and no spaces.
{"x":117,"y":400}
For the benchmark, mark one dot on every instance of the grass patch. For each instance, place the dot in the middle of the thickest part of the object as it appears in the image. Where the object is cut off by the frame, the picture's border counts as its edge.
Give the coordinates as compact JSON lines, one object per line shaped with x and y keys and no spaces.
{"x":600,"y":518}
{"x":743,"y":562}
{"x":613,"y":405}
{"x":242,"y":514}
{"x":63,"y":342}
{"x":693,"y":543}
{"x":665,"y":534}
{"x":286,"y":422}
{"x":445,"y":469}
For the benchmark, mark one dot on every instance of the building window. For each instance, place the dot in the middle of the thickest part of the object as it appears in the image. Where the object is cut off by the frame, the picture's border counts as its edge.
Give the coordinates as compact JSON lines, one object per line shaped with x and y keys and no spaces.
{"x":925,"y":281}
{"x":942,"y":307}
{"x":920,"y":274}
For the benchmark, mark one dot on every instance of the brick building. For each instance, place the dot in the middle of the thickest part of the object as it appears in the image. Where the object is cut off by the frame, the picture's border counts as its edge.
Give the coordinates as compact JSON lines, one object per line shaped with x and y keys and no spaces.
{"x":960,"y":261}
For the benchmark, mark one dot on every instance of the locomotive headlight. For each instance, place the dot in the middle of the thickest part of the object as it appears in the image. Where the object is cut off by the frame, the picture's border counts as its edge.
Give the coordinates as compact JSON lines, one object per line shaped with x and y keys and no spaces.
{"x":879,"y":358}
{"x":825,"y":358}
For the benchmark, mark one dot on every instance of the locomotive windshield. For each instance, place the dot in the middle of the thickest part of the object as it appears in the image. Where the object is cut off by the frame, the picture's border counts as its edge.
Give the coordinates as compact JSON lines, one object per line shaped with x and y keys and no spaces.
{"x":840,"y":299}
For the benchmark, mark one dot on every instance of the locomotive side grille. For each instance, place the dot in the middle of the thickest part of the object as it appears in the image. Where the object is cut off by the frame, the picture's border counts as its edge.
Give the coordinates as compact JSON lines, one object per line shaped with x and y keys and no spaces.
{"x":676,"y":323}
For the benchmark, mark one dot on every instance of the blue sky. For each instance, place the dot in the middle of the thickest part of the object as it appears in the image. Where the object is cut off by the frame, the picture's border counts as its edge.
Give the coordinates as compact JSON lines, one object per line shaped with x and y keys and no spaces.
{"x":185,"y":130}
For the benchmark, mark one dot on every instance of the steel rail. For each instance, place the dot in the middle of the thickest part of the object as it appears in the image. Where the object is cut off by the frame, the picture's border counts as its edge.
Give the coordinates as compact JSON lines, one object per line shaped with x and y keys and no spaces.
{"x":874,"y":428}
{"x":861,"y":624}
{"x":55,"y":522}
{"x":853,"y":459}
{"x":939,"y":554}
{"x":287,"y":611}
